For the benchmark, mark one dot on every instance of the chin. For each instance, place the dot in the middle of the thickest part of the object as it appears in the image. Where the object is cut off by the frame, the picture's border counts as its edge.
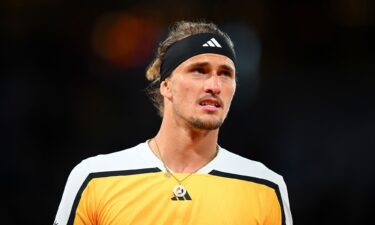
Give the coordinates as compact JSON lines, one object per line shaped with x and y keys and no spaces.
{"x":205,"y":124}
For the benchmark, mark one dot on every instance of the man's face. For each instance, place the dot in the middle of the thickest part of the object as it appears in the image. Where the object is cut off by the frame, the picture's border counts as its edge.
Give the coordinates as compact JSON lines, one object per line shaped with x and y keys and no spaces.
{"x":200,"y":91}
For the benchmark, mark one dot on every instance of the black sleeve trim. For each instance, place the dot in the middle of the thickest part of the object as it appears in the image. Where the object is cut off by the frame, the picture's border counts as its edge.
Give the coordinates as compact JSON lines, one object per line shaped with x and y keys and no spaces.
{"x":103,"y":174}
{"x":255,"y":180}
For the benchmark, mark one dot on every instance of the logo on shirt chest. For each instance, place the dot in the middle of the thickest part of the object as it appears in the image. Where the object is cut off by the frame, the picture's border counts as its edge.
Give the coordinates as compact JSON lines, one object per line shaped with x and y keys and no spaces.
{"x":185,"y":197}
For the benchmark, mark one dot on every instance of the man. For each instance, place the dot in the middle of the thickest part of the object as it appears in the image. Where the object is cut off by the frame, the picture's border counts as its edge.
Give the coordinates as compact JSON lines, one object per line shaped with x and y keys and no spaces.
{"x":180,"y":176}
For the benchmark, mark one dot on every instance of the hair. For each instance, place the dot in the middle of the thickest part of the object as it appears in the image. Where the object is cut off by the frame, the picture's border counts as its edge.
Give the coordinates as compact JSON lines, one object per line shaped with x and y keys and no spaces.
{"x":177,"y":31}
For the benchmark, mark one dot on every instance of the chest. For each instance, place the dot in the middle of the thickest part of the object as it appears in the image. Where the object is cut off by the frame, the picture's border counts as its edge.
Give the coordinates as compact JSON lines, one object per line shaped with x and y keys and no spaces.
{"x":151,"y":200}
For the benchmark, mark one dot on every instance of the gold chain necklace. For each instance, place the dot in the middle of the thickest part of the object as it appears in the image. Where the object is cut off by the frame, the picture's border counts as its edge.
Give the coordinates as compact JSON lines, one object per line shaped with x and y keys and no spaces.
{"x":180,"y":190}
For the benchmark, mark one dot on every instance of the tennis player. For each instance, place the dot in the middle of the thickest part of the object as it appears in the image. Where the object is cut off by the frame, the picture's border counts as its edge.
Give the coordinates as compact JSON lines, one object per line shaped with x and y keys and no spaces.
{"x":181,"y":175}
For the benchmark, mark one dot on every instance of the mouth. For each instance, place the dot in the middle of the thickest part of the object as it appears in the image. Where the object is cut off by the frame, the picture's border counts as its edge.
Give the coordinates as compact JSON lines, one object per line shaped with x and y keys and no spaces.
{"x":211,"y":103}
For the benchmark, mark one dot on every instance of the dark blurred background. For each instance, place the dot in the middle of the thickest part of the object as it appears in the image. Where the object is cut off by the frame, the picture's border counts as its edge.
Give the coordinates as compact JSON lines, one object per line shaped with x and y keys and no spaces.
{"x":72,"y":86}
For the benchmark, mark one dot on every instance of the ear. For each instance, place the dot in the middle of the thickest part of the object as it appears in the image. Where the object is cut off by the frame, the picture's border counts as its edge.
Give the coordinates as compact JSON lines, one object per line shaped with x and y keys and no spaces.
{"x":165,"y":89}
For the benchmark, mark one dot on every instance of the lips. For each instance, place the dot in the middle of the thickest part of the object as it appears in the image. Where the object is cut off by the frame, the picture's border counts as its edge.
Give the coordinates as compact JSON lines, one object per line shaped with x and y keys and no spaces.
{"x":214,"y":102}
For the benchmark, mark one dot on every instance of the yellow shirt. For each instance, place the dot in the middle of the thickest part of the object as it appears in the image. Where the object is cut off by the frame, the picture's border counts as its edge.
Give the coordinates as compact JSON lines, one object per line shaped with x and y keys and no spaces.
{"x":129,"y":187}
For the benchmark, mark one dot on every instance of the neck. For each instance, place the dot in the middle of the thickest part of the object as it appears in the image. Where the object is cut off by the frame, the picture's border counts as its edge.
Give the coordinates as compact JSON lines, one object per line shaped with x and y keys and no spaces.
{"x":184,"y":150}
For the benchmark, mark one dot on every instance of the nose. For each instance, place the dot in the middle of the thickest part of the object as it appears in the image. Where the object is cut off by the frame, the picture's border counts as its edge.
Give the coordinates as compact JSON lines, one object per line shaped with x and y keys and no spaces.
{"x":213,"y":85}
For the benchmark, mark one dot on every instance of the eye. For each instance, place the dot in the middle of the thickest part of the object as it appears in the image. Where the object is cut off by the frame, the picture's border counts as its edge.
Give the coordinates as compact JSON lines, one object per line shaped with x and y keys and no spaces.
{"x":226,"y":73}
{"x":199,"y":70}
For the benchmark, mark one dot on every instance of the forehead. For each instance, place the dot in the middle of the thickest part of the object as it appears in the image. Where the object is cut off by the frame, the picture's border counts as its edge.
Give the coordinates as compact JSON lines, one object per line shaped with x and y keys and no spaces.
{"x":210,"y":58}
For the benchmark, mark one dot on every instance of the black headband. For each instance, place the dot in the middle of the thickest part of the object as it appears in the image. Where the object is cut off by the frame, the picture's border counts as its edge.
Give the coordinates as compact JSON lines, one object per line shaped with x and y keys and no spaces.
{"x":191,"y":46}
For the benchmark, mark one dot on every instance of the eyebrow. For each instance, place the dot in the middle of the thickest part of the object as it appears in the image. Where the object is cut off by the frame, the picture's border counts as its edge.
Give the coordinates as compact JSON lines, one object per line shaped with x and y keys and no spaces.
{"x":202,"y":64}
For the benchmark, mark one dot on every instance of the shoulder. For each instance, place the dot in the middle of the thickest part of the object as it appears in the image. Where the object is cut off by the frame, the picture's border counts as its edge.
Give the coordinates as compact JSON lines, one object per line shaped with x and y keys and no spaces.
{"x":231,"y":165}
{"x":236,"y":165}
{"x":127,"y":159}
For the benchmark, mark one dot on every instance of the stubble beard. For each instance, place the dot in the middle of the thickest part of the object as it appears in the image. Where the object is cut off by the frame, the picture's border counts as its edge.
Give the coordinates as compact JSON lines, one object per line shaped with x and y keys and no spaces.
{"x":198,"y":123}
{"x":205,"y":125}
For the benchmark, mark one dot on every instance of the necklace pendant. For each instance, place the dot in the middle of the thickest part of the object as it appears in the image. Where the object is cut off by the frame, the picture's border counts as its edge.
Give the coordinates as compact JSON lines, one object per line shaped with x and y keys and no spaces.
{"x":179,"y":190}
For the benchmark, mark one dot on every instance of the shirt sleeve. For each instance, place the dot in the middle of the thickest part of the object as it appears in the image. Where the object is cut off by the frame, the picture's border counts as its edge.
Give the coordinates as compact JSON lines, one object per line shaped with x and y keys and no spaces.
{"x":85,"y":213}
{"x":285,"y":202}
{"x":274,"y":213}
{"x":72,"y":194}
{"x":278,"y":209}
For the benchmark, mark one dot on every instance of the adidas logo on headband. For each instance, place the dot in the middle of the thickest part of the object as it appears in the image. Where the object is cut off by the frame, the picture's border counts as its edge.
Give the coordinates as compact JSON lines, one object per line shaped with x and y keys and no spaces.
{"x":191,"y":46}
{"x":212,"y":43}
